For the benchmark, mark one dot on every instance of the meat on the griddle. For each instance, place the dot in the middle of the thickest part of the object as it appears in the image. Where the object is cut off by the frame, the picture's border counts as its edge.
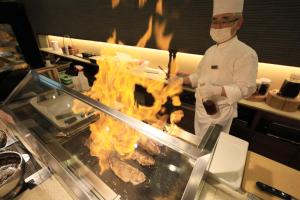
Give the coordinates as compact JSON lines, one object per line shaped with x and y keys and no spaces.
{"x":126,"y":172}
{"x":143,"y":158}
{"x":149,"y":145}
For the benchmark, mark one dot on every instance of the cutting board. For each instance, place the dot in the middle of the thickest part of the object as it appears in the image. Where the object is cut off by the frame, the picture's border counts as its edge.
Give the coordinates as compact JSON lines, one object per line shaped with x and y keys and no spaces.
{"x":228,"y":161}
{"x":259,"y":168}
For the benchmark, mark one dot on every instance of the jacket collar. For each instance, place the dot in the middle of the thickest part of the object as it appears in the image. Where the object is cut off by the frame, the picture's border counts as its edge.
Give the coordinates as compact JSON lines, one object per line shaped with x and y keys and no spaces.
{"x":228,"y":43}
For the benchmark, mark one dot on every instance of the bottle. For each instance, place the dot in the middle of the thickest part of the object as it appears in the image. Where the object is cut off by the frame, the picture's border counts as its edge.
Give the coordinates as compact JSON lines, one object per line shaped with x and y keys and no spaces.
{"x":76,"y":84}
{"x":80,"y":81}
{"x":264,"y":86}
{"x":66,"y":50}
{"x":208,"y":102}
{"x":209,"y":106}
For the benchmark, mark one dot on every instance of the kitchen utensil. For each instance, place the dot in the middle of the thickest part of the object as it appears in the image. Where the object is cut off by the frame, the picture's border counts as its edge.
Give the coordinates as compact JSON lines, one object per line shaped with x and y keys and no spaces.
{"x":266,"y":188}
{"x":263,"y":85}
{"x":11,"y":174}
{"x":54,"y":45}
{"x":289,"y":88}
{"x":69,"y":49}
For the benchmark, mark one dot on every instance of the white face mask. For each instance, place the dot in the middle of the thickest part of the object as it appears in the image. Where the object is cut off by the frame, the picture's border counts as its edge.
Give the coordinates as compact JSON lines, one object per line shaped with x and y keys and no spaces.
{"x":220,"y":35}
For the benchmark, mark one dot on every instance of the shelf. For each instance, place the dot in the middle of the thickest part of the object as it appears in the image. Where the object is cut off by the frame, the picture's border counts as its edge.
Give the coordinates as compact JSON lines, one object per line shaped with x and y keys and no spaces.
{"x":49,"y":50}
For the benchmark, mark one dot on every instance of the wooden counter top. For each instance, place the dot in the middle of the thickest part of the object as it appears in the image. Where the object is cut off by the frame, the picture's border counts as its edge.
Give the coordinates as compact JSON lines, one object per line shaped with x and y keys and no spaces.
{"x":259,"y":168}
{"x":264,"y":107}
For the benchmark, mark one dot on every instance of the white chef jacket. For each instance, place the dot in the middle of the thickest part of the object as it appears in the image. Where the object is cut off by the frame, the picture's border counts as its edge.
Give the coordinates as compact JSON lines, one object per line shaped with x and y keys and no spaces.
{"x":232,"y":65}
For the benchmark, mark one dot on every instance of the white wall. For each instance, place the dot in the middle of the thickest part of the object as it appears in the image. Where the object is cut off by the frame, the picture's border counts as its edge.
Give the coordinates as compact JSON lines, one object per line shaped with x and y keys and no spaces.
{"x":187,"y":62}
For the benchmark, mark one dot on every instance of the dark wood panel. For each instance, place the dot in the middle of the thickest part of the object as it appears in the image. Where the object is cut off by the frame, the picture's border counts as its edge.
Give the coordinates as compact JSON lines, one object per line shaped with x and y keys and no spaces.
{"x":273,"y":148}
{"x":295,"y":161}
{"x":271,"y":27}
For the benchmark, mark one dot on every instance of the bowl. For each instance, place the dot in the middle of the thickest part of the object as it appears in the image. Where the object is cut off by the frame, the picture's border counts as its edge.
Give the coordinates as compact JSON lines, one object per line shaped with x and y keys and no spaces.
{"x":12,"y":169}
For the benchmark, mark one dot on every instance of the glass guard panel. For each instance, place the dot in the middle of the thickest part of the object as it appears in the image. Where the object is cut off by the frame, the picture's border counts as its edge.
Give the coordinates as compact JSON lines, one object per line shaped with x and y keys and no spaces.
{"x":128,"y":162}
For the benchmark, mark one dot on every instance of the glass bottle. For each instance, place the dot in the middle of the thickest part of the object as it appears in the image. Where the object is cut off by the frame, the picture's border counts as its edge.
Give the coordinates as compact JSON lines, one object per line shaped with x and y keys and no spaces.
{"x":209,"y":106}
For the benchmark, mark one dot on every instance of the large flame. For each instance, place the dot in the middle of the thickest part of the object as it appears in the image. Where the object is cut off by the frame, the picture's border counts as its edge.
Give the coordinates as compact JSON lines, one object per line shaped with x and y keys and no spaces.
{"x":159,"y":7}
{"x":142,"y":3}
{"x":115,"y":3}
{"x":162,"y":40}
{"x":109,"y":137}
{"x":144,"y":39}
{"x":115,"y":87}
{"x":113,"y":38}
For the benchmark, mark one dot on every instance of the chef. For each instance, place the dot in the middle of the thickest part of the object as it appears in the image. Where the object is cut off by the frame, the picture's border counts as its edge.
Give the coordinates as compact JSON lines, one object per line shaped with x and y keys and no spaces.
{"x":227,"y":72}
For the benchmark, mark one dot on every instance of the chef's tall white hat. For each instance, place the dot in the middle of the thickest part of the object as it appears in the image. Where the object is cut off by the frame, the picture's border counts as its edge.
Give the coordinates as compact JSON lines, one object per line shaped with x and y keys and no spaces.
{"x":228,"y":6}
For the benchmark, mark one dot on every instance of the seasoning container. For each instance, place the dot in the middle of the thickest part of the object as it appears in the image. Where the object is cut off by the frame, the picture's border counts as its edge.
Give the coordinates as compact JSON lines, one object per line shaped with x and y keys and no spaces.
{"x":258,"y":83}
{"x":208,"y":102}
{"x":69,"y":49}
{"x":264,"y":86}
{"x":291,"y":86}
{"x":54,"y":45}
{"x":80,"y":82}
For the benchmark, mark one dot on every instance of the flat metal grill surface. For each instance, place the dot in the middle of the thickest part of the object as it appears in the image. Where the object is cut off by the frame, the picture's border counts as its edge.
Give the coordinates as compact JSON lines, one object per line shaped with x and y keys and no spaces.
{"x":161,"y":182}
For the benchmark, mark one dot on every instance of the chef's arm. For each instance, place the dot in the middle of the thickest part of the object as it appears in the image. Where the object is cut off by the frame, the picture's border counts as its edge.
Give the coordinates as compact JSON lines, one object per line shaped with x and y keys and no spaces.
{"x":245,"y":72}
{"x":187,"y":81}
{"x":192,"y":79}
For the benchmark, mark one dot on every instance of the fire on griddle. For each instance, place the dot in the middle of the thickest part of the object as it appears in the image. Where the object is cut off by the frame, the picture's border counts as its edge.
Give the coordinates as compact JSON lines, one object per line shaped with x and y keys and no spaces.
{"x":112,"y":141}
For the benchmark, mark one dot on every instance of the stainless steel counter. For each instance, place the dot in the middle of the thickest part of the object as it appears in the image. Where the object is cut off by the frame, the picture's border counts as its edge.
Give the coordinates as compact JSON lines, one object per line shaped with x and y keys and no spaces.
{"x":180,"y":167}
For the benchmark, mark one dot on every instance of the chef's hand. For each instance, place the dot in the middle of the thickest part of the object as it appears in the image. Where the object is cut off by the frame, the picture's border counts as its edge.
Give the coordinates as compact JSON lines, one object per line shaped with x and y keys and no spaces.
{"x":6,"y":117}
{"x":208,"y":90}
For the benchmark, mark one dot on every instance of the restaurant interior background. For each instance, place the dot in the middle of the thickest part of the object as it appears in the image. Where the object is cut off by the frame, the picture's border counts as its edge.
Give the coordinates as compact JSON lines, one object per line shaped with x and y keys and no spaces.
{"x":134,"y":29}
{"x":271,"y":27}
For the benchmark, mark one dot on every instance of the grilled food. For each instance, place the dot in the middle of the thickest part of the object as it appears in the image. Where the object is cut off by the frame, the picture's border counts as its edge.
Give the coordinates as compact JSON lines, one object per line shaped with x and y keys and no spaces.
{"x":142,"y":158}
{"x":149,"y":145}
{"x":126,"y":172}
